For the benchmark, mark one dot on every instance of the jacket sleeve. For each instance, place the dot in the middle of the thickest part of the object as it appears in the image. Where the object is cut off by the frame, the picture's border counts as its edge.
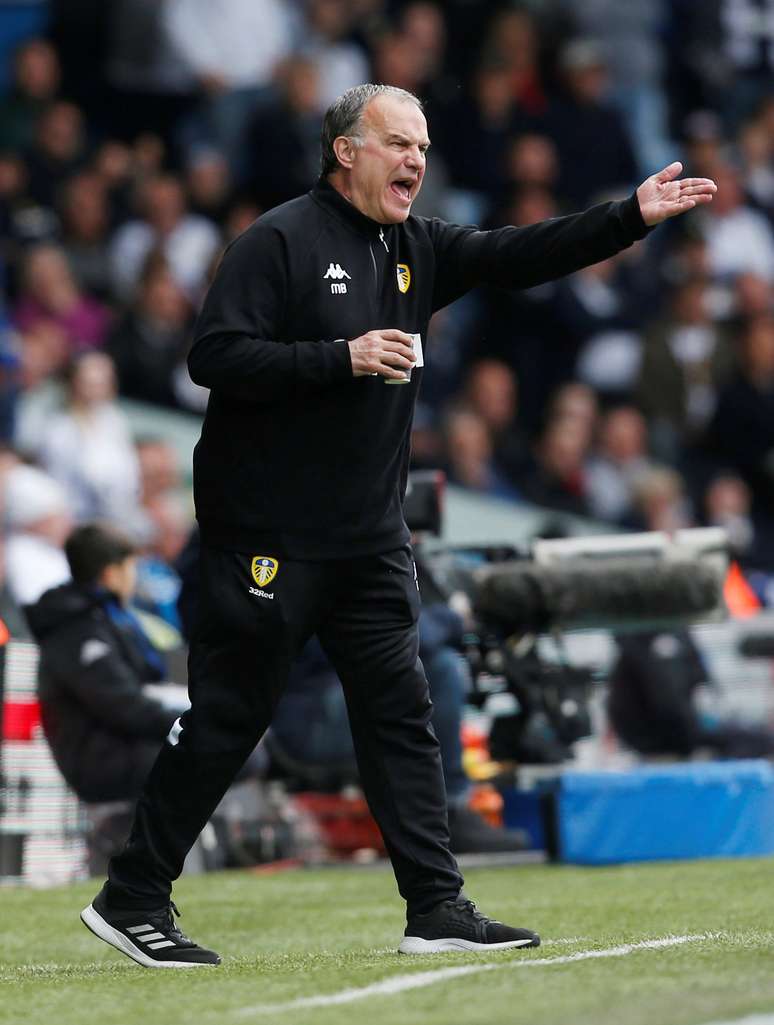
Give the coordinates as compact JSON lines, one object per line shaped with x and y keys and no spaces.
{"x":524,"y":257}
{"x":92,"y":671}
{"x":235,"y":349}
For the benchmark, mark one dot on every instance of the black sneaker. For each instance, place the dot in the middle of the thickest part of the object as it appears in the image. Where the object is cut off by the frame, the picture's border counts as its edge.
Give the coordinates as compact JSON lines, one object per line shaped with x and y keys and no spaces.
{"x":149,"y":937}
{"x":458,"y":925}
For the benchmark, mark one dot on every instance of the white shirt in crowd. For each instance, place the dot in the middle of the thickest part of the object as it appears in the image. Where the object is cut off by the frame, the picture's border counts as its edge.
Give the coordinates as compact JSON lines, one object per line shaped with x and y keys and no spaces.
{"x":239,"y":40}
{"x":32,"y":566}
{"x":96,"y":463}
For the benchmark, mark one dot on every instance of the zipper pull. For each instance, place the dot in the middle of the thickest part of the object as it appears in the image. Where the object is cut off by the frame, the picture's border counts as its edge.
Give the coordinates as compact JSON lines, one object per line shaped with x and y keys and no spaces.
{"x":383,"y":240}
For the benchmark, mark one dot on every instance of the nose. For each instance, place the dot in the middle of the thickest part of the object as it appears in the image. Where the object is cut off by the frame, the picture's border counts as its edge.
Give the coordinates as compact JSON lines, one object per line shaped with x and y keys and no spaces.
{"x":415,"y":158}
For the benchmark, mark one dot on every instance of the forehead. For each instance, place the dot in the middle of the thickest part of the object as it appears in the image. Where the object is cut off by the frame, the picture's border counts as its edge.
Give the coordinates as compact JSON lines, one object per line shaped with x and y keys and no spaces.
{"x":386,"y":114}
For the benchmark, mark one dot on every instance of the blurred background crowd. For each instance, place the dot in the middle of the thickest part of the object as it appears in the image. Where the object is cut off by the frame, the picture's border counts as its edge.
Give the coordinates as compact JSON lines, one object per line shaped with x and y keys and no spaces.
{"x":138,"y":137}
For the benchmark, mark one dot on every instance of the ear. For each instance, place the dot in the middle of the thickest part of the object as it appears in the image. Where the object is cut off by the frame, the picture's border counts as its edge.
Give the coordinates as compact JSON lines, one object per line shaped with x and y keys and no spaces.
{"x":344,"y":149}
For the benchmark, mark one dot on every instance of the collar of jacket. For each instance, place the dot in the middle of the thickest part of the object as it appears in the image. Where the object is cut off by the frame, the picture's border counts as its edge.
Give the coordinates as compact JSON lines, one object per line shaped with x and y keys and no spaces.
{"x":332,"y":200}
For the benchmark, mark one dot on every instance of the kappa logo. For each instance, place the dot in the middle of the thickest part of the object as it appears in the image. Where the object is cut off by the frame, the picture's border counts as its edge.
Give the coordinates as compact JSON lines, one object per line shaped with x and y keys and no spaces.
{"x":337,"y":272}
{"x":403,"y":272}
{"x":264,"y":569}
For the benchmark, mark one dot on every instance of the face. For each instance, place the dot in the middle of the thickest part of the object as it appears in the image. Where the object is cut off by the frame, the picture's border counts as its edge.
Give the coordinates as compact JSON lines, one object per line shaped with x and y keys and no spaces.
{"x":120,"y":578}
{"x":386,"y":171}
{"x":94,"y":380}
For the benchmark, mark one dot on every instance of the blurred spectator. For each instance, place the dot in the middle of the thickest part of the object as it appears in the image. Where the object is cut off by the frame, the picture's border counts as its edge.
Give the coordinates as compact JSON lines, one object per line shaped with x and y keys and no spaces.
{"x":35,"y":85}
{"x":424,"y":31}
{"x":37,"y":519}
{"x":50,"y":295}
{"x":753,"y":296}
{"x":756,"y":147}
{"x":45,"y":350}
{"x":739,"y":238}
{"x":660,"y":501}
{"x":727,"y":503}
{"x":554,"y":476}
{"x":513,"y":39}
{"x":58,"y":151}
{"x":340,"y":62}
{"x":150,"y":342}
{"x":104,"y":730}
{"x":704,"y":143}
{"x":492,"y":394}
{"x":630,"y":37}
{"x":188,"y":241}
{"x":576,"y":404}
{"x":742,"y":432}
{"x":292,"y":122}
{"x":208,"y":181}
{"x":722,"y":56}
{"x":619,"y":459}
{"x":470,"y":455}
{"x":656,"y":685}
{"x":11,"y":379}
{"x":150,"y":83}
{"x":533,"y":163}
{"x":159,"y":469}
{"x":231,"y":50}
{"x":476,"y":129}
{"x":169,"y":522}
{"x":595,"y":152}
{"x":600,"y":318}
{"x":88,"y":447}
{"x":85,"y":217}
{"x":686,"y":360}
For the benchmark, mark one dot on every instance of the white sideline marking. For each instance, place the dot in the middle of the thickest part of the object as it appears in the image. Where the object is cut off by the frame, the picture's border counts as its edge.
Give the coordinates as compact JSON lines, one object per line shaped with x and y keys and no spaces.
{"x":417,"y":980}
{"x":753,"y":1019}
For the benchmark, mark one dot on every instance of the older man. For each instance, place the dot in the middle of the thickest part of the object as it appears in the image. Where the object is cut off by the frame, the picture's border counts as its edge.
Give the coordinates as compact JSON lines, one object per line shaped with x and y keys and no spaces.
{"x":311,"y":342}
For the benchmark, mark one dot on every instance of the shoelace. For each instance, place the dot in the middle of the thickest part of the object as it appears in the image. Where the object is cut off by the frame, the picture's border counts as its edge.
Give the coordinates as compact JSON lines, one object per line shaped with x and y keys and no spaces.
{"x":171,"y":925}
{"x":469,"y":905}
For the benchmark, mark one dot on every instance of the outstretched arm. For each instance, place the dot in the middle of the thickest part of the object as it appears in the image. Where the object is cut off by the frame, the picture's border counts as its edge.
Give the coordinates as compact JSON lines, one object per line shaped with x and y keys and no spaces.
{"x":523,"y":257}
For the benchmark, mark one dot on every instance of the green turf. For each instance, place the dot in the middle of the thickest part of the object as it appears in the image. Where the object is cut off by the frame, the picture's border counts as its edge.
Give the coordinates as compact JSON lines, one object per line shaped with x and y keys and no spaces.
{"x":299,"y":934}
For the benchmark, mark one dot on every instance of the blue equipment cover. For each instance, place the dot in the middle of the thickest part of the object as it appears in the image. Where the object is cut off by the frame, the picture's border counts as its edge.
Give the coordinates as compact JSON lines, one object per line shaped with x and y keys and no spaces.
{"x":693,"y":810}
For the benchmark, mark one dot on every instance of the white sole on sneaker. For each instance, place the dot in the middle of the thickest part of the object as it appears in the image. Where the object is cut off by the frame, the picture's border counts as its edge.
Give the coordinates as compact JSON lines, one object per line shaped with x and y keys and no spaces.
{"x":416,"y":945}
{"x":97,"y":924}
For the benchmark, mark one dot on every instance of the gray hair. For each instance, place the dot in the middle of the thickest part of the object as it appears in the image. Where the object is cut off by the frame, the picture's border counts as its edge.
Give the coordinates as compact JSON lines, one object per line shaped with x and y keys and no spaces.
{"x":345,"y":117}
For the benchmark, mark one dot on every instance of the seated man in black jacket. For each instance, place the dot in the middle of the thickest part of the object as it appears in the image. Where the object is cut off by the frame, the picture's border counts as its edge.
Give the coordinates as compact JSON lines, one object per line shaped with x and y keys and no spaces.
{"x":103,"y":730}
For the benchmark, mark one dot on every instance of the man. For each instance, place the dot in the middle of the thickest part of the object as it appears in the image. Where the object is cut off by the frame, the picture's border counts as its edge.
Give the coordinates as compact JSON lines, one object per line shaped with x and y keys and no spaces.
{"x":104,"y":732}
{"x":310,"y":340}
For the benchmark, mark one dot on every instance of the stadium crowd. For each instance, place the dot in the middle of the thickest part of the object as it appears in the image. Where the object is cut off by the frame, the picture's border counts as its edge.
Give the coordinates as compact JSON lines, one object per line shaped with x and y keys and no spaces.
{"x":137,"y":138}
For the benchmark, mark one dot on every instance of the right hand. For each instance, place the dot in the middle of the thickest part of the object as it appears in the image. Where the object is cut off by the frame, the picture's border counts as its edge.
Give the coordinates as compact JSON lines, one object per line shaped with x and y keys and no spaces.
{"x":387,"y":353}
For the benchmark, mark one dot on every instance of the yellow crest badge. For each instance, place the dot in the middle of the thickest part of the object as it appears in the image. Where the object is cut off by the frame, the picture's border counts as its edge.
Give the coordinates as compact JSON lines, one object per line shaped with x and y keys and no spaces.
{"x":404,"y":276}
{"x":264,"y":569}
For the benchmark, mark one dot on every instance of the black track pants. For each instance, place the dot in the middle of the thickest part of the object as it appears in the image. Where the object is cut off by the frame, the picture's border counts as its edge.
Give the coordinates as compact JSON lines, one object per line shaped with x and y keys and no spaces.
{"x":364,"y":611}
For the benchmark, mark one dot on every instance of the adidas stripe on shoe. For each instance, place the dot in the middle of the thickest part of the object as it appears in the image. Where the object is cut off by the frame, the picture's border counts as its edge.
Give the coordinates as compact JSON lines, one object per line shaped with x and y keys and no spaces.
{"x":151,"y":938}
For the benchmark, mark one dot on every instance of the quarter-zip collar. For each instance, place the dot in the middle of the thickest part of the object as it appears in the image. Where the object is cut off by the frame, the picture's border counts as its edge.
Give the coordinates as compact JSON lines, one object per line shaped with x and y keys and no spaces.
{"x":332,"y":200}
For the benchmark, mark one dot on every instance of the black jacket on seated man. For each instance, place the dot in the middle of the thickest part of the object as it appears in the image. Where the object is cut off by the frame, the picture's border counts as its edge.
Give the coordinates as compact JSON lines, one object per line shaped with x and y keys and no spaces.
{"x":103,"y":731}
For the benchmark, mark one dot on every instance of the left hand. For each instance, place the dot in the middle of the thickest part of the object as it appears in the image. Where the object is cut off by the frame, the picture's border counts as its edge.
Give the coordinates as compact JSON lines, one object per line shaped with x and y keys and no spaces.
{"x":663,"y":195}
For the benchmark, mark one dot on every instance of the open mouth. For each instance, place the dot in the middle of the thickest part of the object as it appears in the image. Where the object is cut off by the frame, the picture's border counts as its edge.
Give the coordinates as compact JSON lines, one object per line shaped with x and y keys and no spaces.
{"x":402,"y":188}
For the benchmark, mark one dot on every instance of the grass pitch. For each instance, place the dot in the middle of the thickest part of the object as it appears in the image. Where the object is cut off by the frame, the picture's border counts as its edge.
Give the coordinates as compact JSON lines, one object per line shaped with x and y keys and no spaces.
{"x":307,"y":934}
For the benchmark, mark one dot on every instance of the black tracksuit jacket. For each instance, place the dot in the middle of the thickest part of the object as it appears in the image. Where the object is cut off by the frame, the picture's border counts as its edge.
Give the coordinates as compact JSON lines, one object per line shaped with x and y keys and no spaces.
{"x":297,"y":456}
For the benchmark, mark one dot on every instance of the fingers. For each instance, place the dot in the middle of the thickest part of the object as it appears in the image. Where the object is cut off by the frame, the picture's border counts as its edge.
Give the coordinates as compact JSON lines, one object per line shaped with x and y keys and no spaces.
{"x":670,"y":172}
{"x":394,"y":358}
{"x":388,"y":353}
{"x":404,"y":350}
{"x":698,"y":183}
{"x":396,"y":336}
